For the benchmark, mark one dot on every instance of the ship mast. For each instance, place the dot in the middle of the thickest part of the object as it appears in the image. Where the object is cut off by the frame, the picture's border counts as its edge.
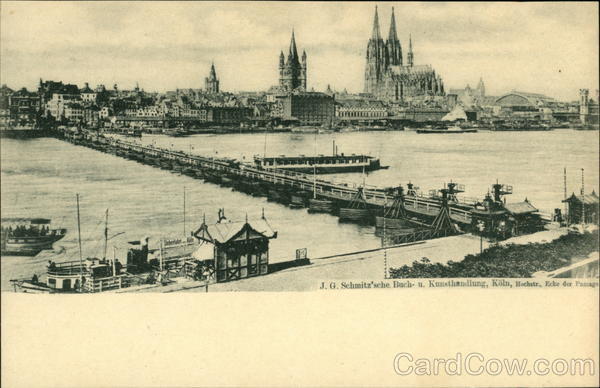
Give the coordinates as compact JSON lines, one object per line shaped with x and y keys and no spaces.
{"x":582,"y":199}
{"x":105,"y":234}
{"x":265,"y":147}
{"x":565,"y":216}
{"x":385,"y":269}
{"x":80,"y":250}
{"x":315,"y":170}
{"x":314,"y":181}
{"x":363,"y":176}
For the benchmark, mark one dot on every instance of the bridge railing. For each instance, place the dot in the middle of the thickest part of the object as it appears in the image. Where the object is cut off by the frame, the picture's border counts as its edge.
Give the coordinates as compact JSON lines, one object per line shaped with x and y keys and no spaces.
{"x":339,"y":189}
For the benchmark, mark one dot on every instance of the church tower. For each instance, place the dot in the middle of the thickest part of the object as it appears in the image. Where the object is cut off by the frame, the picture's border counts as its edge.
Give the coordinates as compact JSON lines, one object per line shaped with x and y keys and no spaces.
{"x":410,"y":58}
{"x":211,"y":83}
{"x":281,"y":65}
{"x":292,"y":73}
{"x":376,"y":58}
{"x":584,"y":105}
{"x":481,"y":88}
{"x":303,"y":78}
{"x":394,"y":48}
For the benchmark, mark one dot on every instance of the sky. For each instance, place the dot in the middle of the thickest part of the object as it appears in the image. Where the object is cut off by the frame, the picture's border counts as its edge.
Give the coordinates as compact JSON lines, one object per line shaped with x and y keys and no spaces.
{"x":549,"y":48}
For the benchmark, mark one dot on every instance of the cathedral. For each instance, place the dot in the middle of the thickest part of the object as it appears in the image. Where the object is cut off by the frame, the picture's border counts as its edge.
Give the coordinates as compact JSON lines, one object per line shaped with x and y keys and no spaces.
{"x":386,"y":75}
{"x":292,"y":73}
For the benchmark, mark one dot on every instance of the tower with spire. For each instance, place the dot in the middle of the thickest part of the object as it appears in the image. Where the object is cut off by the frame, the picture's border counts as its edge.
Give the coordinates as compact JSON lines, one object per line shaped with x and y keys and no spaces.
{"x":393,"y":44}
{"x":292,"y":72}
{"x":481,"y":88}
{"x":386,"y":75}
{"x":211,"y":83}
{"x":410,"y":57}
{"x":377,"y":58}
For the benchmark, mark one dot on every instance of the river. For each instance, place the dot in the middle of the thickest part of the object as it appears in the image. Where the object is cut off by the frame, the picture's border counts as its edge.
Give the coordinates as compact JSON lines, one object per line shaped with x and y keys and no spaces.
{"x":40,"y":178}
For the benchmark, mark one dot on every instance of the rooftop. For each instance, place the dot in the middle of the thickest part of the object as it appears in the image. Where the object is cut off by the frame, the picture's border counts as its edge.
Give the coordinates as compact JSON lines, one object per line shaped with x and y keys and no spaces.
{"x":520,"y":207}
{"x":588,"y":199}
{"x":225,"y":231}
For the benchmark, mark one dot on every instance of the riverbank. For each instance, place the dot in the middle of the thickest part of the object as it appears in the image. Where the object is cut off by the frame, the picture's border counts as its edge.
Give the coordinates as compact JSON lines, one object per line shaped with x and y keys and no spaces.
{"x":508,"y":260}
{"x":360,"y":266}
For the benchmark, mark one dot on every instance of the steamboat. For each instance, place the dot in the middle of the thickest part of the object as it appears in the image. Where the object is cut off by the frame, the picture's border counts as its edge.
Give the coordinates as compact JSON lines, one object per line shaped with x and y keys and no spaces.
{"x":452,"y":129}
{"x":28,"y":236}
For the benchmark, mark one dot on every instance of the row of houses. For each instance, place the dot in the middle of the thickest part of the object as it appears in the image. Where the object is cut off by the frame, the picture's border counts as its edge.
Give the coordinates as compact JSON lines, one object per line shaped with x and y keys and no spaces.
{"x":66,"y":102}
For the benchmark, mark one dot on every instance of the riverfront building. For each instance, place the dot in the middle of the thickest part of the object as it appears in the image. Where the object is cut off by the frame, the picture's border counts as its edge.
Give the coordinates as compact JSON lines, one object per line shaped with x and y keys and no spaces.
{"x":386,"y":75}
{"x":360,"y":110}
{"x":309,"y":108}
{"x":23,"y":107}
{"x":47,"y":89}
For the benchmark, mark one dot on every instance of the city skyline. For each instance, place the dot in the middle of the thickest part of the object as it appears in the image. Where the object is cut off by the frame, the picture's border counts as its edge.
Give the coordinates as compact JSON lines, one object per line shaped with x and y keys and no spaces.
{"x":544,"y":48}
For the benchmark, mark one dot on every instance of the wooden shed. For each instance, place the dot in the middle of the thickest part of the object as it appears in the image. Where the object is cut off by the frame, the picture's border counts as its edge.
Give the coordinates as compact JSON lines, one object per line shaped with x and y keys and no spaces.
{"x":580,"y":204}
{"x":239,"y":249}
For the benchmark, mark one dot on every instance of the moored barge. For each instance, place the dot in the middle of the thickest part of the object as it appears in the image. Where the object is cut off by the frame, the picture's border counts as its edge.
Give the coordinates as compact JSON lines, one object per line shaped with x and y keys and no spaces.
{"x":320,"y":164}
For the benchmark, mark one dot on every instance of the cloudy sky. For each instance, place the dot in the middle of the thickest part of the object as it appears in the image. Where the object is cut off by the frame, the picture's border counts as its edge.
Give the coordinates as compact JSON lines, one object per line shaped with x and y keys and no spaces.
{"x":549,"y":48}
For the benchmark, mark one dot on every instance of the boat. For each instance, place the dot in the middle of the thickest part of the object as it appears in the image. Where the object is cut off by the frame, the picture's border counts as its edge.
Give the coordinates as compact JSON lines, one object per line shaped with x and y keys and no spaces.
{"x":306,"y":129}
{"x":348,"y":128}
{"x":373,"y":128}
{"x":177,"y":167}
{"x":560,"y":125}
{"x":320,"y":164}
{"x":132,"y":132}
{"x":355,"y":215}
{"x":587,"y":127}
{"x":89,"y":275}
{"x":324,"y":164}
{"x":28,"y":236}
{"x":357,"y":210}
{"x":394,"y":216}
{"x":227,"y":181}
{"x":23,"y":132}
{"x":452,"y":129}
{"x":520,"y":125}
{"x":298,"y":200}
{"x":320,"y":206}
{"x":176,"y":132}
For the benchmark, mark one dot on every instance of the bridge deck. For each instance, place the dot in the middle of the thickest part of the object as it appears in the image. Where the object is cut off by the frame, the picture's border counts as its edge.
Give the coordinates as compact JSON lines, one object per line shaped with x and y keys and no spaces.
{"x":332,"y":190}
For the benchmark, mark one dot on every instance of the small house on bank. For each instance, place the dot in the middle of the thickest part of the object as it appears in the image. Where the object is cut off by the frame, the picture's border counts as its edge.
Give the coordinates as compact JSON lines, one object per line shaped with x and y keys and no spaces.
{"x":580,"y":206}
{"x":232,"y":250}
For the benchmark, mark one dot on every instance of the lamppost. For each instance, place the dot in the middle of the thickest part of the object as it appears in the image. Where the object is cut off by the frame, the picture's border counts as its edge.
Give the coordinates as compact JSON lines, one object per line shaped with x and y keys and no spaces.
{"x":385,"y":269}
{"x":481,"y":227}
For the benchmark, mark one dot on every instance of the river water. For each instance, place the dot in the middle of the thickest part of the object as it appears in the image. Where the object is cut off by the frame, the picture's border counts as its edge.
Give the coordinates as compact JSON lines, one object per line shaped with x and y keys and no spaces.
{"x":40,"y":178}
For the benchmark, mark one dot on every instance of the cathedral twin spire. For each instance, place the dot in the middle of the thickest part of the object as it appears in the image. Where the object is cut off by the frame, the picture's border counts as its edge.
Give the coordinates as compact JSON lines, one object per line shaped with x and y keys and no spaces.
{"x":387,"y":76}
{"x":392,"y":35}
{"x":393,"y":46}
{"x":376,"y":35}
